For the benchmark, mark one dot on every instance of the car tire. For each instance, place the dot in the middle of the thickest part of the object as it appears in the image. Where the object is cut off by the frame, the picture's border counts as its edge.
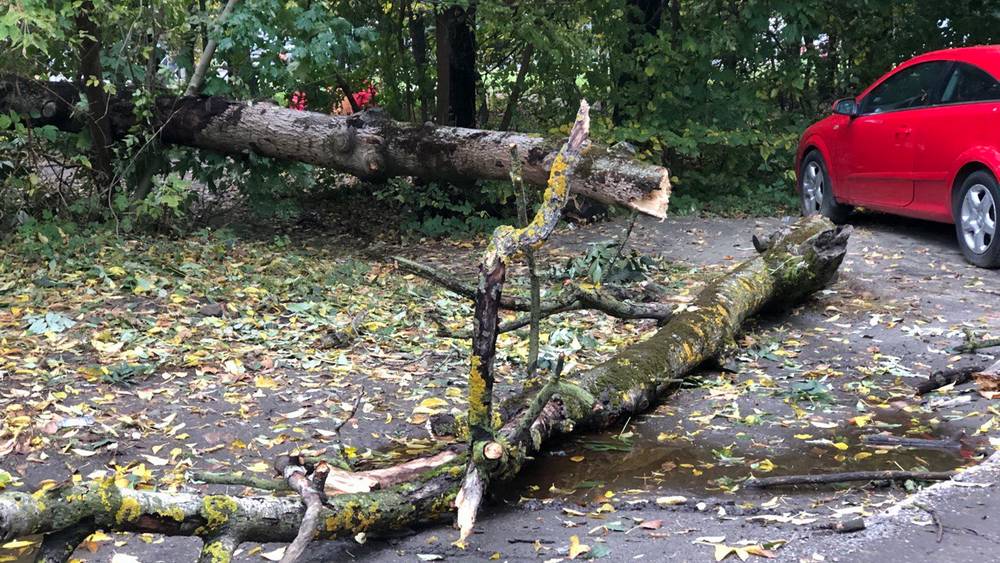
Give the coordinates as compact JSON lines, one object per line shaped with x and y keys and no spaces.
{"x":975,"y":211}
{"x":816,"y":190}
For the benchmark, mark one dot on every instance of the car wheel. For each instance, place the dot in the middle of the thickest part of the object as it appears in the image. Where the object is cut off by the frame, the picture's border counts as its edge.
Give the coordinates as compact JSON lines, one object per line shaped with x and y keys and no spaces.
{"x":975,"y":212}
{"x":816,"y":190}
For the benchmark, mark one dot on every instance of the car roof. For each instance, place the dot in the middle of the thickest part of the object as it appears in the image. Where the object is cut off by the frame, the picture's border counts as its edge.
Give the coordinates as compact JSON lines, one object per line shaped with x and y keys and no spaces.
{"x":986,"y":57}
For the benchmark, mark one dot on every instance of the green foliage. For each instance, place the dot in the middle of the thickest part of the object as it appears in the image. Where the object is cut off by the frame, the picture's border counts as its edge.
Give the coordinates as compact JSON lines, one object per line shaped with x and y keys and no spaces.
{"x":813,"y":391}
{"x":718,"y":91}
{"x":603,"y":264}
{"x":125,"y":373}
{"x":435,"y":209}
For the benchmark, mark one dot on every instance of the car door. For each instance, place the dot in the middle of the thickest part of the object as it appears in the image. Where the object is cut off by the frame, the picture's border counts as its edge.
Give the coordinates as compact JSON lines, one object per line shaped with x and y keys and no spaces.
{"x":879,"y":147}
{"x":965,"y":118}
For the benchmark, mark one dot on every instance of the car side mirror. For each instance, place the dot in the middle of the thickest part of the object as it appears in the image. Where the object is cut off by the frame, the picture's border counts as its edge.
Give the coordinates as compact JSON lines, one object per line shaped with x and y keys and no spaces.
{"x":846,"y":106}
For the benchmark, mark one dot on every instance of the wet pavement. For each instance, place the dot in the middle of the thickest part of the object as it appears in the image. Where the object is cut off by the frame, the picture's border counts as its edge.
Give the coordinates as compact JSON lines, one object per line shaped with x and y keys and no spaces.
{"x":804,"y":389}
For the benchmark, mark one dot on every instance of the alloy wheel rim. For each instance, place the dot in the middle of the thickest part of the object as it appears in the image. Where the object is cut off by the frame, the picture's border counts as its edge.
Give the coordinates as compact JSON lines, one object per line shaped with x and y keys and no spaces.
{"x":979,"y":218}
{"x":812,"y":189}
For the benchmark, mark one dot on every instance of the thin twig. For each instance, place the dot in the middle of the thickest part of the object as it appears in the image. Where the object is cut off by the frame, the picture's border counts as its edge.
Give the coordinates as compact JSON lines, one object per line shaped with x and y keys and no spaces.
{"x":535,"y":317}
{"x":198,"y":77}
{"x":340,"y":425}
{"x":240,"y":479}
{"x":624,"y":242}
{"x":827,"y":478}
{"x":934,"y":518}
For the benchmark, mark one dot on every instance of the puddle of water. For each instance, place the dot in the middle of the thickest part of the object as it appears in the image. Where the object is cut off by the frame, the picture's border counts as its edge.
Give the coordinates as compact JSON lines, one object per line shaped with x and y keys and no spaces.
{"x":711,"y":463}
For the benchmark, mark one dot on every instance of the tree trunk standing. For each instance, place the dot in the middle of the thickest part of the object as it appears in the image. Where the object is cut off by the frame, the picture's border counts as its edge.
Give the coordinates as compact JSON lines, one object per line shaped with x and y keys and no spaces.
{"x":675,"y":22}
{"x":456,"y":63}
{"x":643,"y":19}
{"x":418,"y":43}
{"x":367,"y":144}
{"x":91,"y":77}
{"x":442,"y":44}
{"x":515,"y":91}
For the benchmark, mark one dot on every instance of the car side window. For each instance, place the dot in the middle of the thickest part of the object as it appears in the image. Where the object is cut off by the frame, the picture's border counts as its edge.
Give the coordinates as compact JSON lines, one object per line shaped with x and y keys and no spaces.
{"x":968,"y":83}
{"x":909,"y":88}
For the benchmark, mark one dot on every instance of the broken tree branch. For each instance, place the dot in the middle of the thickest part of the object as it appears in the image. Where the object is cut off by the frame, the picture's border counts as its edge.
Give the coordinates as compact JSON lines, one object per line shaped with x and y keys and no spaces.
{"x":973,"y":343}
{"x":240,"y":479}
{"x":573,"y":299}
{"x":535,"y":317}
{"x":297,"y":476}
{"x":505,"y":243}
{"x":198,"y":76}
{"x":945,"y":377}
{"x":846,"y":477}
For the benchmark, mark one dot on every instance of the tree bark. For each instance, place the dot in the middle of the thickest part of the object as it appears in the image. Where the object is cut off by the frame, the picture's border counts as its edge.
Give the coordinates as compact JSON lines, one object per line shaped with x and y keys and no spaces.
{"x":515,"y":91}
{"x":456,"y":63}
{"x":91,"y":76}
{"x":797,"y":262}
{"x":368,"y":144}
{"x":198,"y":78}
{"x":418,"y":42}
{"x":442,"y":47}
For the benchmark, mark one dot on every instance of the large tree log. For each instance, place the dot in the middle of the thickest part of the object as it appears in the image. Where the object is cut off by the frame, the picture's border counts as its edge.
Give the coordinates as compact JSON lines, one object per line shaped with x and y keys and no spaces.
{"x":795,"y":263}
{"x":368,"y":144}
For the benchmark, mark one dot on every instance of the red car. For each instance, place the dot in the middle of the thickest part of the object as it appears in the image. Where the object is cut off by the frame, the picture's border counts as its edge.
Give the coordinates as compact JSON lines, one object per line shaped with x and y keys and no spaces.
{"x":922,"y":141}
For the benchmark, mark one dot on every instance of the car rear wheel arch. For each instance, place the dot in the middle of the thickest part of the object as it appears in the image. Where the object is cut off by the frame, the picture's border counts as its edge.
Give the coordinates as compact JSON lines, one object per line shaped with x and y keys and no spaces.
{"x":974,"y":208}
{"x":963,"y":173}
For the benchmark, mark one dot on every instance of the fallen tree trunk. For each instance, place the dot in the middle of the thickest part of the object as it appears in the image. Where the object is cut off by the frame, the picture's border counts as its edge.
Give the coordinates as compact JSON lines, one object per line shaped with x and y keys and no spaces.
{"x":369,"y":144}
{"x":797,"y":262}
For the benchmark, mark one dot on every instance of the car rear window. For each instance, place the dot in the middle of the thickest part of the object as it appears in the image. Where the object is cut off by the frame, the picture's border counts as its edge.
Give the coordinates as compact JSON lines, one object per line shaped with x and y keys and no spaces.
{"x":968,"y":83}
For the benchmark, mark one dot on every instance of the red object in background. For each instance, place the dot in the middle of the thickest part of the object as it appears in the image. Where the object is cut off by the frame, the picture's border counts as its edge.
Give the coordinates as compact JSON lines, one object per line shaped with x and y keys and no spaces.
{"x":363,"y":98}
{"x":922,"y":141}
{"x":299,"y":101}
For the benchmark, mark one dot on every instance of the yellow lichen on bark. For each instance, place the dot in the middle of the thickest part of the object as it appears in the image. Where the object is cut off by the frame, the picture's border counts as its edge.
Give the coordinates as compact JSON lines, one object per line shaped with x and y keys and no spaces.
{"x":128,"y":510}
{"x":216,"y":509}
{"x":217,"y":552}
{"x":477,"y":393}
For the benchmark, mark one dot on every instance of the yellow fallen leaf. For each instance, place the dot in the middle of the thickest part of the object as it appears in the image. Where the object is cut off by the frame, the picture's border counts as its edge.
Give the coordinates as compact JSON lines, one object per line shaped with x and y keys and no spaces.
{"x":259,"y":467}
{"x":157,"y":461}
{"x":264,"y":382}
{"x":765,"y":465}
{"x":840,"y":446}
{"x":576,"y":548}
{"x":433,"y":403}
{"x":577,"y":458}
{"x":275,"y":555}
{"x":671,"y":500}
{"x":18,"y":544}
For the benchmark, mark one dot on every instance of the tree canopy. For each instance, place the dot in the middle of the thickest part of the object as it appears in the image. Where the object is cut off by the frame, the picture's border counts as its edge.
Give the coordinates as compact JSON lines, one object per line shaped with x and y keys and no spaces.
{"x":716,"y":90}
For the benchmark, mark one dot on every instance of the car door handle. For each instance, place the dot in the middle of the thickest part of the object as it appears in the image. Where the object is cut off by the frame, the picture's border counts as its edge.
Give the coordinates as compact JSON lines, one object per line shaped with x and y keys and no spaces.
{"x":903,"y":132}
